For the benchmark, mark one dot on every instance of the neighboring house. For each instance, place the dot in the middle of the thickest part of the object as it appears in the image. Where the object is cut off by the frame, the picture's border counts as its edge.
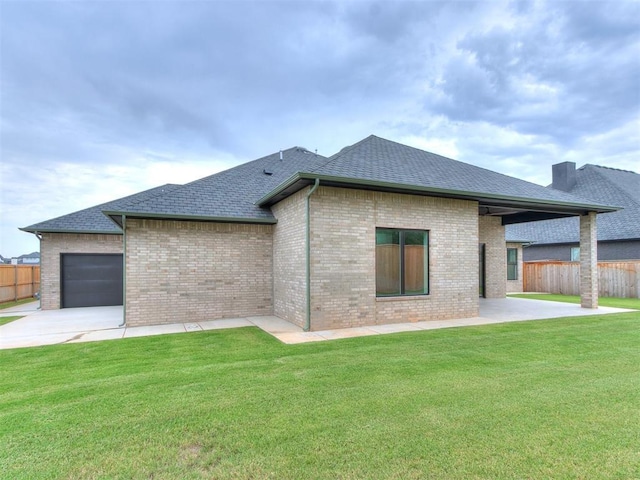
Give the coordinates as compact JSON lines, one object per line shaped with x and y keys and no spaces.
{"x":618,"y":232}
{"x":32,"y":258}
{"x":378,"y":233}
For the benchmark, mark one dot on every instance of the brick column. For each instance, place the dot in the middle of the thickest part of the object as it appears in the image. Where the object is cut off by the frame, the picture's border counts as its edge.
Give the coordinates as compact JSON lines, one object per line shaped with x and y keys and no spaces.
{"x":588,"y":261}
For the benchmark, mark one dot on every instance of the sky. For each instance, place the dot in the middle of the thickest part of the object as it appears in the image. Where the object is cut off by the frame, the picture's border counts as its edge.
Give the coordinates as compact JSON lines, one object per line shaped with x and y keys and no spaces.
{"x":101,"y":99}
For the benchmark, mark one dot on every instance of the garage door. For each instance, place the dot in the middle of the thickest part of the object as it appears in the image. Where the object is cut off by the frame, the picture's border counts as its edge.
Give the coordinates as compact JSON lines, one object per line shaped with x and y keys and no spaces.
{"x":91,"y":280}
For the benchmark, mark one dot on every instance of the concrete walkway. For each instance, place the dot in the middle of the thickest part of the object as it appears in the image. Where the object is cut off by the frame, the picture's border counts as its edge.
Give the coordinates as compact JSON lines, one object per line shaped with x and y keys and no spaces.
{"x":48,"y":327}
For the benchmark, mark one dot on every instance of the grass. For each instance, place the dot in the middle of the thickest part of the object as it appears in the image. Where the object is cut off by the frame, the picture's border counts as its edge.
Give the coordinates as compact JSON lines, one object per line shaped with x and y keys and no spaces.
{"x":547,"y":399}
{"x":630,"y":303}
{"x":15,"y":304}
{"x":5,"y":320}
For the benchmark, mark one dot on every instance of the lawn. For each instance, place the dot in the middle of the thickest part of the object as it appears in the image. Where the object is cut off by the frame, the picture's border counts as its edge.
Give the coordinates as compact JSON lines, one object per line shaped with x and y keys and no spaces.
{"x":630,"y":303}
{"x":5,"y":320}
{"x":546,"y":399}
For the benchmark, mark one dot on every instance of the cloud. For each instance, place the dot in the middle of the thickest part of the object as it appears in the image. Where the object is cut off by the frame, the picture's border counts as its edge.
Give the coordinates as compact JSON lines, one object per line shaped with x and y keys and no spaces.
{"x":565,"y":70}
{"x":116,"y":95}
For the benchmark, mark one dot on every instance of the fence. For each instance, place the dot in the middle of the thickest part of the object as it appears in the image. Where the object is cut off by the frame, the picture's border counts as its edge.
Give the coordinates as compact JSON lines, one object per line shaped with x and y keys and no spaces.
{"x":615,"y":279}
{"x":18,"y":281}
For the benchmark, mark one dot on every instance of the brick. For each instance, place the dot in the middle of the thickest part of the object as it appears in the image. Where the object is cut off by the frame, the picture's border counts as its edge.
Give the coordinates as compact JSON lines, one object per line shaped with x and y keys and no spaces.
{"x":179,"y":271}
{"x":55,"y":244}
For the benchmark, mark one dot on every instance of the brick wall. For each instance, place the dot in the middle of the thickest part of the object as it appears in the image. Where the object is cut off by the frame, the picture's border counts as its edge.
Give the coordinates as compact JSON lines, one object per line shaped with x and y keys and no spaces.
{"x":491,"y":233}
{"x":181,"y":271}
{"x":343,"y":224}
{"x":53,"y":244}
{"x":289,"y":259}
{"x":516,"y":286}
{"x":589,"y":261}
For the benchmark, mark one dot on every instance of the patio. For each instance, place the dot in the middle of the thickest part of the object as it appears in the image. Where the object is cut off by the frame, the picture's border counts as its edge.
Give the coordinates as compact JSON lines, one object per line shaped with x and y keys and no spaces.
{"x":48,"y":327}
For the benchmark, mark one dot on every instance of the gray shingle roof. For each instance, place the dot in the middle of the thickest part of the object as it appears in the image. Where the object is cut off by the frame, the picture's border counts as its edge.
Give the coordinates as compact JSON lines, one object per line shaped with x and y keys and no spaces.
{"x":92,"y":220}
{"x":230,"y":194}
{"x":238,"y":194}
{"x":377,"y":159}
{"x":599,"y":184}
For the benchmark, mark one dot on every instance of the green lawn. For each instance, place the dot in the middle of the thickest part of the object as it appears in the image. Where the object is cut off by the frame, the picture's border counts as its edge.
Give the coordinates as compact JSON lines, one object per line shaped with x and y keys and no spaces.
{"x":630,"y":303}
{"x":546,"y":399}
{"x":5,"y":320}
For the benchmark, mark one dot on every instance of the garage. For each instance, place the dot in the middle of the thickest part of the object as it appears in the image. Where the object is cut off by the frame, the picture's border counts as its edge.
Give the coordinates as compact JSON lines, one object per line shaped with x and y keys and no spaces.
{"x":90,"y":280}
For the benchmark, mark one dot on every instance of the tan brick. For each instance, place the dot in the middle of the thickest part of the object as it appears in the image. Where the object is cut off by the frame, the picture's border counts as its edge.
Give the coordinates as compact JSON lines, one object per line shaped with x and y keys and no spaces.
{"x":491,"y":233}
{"x":343,"y":257}
{"x":179,"y":271}
{"x":55,"y":244}
{"x":516,"y":286}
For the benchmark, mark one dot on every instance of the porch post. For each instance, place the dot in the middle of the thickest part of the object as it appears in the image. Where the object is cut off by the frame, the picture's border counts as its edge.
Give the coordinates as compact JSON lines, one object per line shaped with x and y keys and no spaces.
{"x":588,"y":261}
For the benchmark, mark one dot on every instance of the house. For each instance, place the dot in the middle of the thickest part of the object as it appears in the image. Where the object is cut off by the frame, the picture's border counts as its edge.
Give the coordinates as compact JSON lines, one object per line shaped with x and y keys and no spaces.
{"x":618,"y":232}
{"x":377,"y":233}
{"x":32,"y":258}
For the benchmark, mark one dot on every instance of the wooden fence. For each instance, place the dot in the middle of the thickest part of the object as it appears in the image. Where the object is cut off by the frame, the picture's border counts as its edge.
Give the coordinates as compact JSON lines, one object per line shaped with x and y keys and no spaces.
{"x":615,"y":279}
{"x":18,"y":281}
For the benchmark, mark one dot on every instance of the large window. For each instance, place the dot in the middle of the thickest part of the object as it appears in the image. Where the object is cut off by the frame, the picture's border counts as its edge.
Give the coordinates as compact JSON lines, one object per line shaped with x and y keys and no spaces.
{"x":512,"y":263}
{"x":402,"y":262}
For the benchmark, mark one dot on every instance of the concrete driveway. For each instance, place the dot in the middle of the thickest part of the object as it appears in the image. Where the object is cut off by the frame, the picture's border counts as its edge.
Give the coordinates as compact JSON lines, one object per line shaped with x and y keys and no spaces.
{"x":72,"y":325}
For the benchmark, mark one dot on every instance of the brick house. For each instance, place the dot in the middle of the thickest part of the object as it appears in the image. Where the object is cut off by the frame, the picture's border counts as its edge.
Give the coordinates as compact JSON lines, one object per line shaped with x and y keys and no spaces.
{"x":378,"y":233}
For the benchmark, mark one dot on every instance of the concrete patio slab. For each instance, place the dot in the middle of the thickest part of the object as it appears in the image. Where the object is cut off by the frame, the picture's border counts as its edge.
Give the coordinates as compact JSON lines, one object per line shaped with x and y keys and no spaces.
{"x":48,"y":327}
{"x":346,"y":333}
{"x":225,"y":323}
{"x":394,"y":327}
{"x":274,"y":324}
{"x":99,"y":335}
{"x":291,"y":338}
{"x":24,"y":309}
{"x":131,"y":332}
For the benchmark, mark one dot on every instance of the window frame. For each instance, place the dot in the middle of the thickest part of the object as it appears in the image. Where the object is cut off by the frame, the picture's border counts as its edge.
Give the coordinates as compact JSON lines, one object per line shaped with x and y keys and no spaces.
{"x":512,"y":264}
{"x":402,"y":238}
{"x":574,"y":254}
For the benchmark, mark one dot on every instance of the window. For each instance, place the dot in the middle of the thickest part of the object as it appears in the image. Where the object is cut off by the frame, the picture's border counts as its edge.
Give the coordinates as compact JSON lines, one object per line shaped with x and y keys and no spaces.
{"x":402,"y":262}
{"x":575,"y":254}
{"x":512,"y":263}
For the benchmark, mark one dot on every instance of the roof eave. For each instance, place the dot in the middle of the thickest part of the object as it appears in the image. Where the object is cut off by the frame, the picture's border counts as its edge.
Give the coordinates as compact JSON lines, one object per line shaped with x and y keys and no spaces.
{"x":116,"y":217}
{"x":301,"y":179}
{"x":68,"y":230}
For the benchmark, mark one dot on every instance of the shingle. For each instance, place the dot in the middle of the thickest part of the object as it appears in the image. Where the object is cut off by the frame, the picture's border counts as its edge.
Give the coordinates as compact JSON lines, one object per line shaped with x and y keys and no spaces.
{"x":377,"y":159}
{"x":598,"y":184}
{"x":231,"y":193}
{"x":92,"y":220}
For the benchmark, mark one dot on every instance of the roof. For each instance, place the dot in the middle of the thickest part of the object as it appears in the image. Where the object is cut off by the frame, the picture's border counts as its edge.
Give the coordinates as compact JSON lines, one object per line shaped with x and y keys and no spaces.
{"x":599,"y":184}
{"x":380,"y":164}
{"x":245,"y":193}
{"x":92,"y":220}
{"x":230,"y":195}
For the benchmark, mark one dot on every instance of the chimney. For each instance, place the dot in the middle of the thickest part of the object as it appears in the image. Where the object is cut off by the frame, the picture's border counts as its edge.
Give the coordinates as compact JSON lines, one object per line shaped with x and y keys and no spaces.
{"x":564,"y":176}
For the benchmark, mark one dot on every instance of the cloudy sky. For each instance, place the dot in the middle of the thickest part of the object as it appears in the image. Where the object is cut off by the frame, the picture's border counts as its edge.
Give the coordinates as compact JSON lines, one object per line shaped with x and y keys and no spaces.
{"x":100,"y":99}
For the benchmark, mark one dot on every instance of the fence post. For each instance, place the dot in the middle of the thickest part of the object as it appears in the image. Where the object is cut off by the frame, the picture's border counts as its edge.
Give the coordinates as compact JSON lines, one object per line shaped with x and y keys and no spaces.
{"x":15,"y":283}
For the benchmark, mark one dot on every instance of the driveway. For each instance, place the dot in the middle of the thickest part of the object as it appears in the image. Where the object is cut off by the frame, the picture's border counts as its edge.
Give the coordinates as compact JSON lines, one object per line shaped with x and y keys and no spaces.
{"x":73,"y":325}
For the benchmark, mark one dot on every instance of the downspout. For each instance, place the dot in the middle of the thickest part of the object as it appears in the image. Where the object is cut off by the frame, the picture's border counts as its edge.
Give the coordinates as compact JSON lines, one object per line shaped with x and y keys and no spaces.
{"x":38,"y":294}
{"x":307,"y":324}
{"x":124,"y":272}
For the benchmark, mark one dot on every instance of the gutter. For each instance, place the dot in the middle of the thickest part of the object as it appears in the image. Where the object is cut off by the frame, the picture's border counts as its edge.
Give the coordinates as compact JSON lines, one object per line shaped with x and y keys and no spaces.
{"x":307,"y":324}
{"x":498,"y":199}
{"x":114,"y":216}
{"x":124,"y":272}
